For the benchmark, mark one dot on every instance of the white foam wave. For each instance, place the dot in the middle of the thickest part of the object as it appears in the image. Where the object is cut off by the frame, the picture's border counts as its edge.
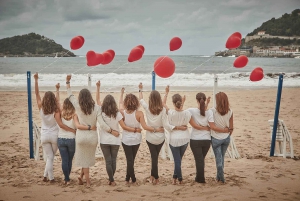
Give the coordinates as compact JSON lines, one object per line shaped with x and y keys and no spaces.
{"x":111,"y":80}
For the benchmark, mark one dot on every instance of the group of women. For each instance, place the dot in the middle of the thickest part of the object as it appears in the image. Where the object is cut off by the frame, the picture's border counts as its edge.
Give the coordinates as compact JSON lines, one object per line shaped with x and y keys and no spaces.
{"x":73,"y":126}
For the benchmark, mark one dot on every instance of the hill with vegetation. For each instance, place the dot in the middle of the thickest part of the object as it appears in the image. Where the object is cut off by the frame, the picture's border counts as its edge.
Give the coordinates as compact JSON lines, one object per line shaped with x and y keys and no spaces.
{"x":32,"y":45}
{"x":287,"y":25}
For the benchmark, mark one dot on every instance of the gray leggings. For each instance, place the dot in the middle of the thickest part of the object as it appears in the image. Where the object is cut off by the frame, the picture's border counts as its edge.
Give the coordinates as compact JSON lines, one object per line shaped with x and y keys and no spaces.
{"x":110,"y":153}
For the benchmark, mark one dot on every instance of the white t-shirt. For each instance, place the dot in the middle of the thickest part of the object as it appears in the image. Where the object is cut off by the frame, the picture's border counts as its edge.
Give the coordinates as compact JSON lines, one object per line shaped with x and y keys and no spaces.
{"x":178,"y":137}
{"x":67,"y":134}
{"x":220,"y":121}
{"x":156,"y":121}
{"x":113,"y":123}
{"x":202,"y":121}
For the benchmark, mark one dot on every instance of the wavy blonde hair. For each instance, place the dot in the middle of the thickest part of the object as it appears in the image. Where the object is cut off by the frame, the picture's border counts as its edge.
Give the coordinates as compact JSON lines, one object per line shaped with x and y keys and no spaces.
{"x":68,"y":109}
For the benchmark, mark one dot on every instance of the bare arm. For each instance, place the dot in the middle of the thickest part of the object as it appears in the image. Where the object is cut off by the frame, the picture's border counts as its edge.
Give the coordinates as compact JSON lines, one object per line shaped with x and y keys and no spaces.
{"x":207,"y":102}
{"x":80,"y":126}
{"x":98,"y":84}
{"x":140,"y":91}
{"x":57,"y":86}
{"x":213,"y":127}
{"x":197,"y":126}
{"x":37,"y":92}
{"x":183,"y":100}
{"x":127,"y":128}
{"x":231,"y":124}
{"x":142,"y":121}
{"x":121,"y":101}
{"x":61,"y":125}
{"x":165,"y":98}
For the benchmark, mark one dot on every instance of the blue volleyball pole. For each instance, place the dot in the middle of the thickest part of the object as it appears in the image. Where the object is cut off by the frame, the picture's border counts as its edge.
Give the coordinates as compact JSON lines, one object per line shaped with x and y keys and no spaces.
{"x":276,"y":114}
{"x":153,"y":80}
{"x":30,"y":114}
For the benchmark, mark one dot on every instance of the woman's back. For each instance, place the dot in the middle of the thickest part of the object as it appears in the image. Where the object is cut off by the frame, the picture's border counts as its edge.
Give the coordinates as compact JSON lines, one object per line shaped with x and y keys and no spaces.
{"x":200,"y":120}
{"x":221,"y":121}
{"x":49,"y":125}
{"x":131,"y":138}
{"x":113,"y":123}
{"x":67,"y":134}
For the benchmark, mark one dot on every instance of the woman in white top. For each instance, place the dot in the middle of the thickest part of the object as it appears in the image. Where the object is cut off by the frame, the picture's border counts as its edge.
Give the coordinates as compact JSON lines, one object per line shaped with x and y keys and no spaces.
{"x":221,"y":124}
{"x":110,"y":142}
{"x":88,"y":114}
{"x":200,"y":139}
{"x":50,"y":115}
{"x":66,"y":139}
{"x":179,"y":139}
{"x":131,"y":140}
{"x":156,"y":117}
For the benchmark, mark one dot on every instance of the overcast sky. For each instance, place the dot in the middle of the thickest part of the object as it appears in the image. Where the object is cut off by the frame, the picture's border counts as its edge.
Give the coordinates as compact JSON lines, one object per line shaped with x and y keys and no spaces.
{"x":203,"y":25}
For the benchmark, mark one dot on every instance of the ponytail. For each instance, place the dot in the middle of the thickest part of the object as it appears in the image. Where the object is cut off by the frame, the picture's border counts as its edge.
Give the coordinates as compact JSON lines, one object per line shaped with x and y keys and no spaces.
{"x":201,"y":98}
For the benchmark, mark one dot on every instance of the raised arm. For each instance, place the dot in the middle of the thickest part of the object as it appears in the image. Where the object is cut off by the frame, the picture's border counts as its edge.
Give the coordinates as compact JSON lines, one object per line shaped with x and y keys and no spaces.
{"x":121,"y":101}
{"x":165,"y":97}
{"x":98,"y":84}
{"x":197,"y":126}
{"x":57,"y":86}
{"x":140,"y":91}
{"x":82,"y":127}
{"x":183,"y":100}
{"x":37,"y":91}
{"x":207,"y":102}
{"x":61,"y":125}
{"x":70,"y":94}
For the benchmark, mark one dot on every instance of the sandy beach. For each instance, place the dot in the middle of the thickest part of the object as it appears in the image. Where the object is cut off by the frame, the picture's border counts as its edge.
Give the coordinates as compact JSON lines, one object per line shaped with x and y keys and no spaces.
{"x":255,"y":176}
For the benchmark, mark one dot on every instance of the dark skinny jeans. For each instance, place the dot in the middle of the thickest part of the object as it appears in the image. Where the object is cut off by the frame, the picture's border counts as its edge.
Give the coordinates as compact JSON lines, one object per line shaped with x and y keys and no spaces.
{"x":110,"y":153}
{"x":130,"y":153}
{"x":154,"y":151}
{"x":200,"y":149}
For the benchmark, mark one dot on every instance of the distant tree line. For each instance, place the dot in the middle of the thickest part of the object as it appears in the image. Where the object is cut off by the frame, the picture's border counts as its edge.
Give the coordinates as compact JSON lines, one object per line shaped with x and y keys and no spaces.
{"x":31,"y":43}
{"x":287,"y":25}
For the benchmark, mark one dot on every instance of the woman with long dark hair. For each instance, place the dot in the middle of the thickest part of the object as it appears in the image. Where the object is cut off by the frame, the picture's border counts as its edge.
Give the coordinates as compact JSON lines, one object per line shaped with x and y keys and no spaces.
{"x":221,"y":123}
{"x":131,"y":140}
{"x":156,"y":117}
{"x":86,"y":140}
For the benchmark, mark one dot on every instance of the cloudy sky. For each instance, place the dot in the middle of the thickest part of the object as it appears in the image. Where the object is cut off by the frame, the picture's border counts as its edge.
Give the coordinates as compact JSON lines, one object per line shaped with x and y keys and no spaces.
{"x":203,"y":25}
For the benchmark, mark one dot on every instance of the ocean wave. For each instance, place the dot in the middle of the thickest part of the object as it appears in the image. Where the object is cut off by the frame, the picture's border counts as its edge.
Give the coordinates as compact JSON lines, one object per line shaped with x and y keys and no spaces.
{"x":236,"y":79}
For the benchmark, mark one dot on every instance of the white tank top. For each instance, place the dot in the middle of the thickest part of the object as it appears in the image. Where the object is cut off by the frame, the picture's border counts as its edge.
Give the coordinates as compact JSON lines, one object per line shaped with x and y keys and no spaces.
{"x":131,"y":138}
{"x":49,"y":125}
{"x":67,"y":134}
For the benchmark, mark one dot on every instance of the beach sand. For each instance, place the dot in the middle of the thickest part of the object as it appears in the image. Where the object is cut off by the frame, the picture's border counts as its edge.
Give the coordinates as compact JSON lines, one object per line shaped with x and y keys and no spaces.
{"x":255,"y":176}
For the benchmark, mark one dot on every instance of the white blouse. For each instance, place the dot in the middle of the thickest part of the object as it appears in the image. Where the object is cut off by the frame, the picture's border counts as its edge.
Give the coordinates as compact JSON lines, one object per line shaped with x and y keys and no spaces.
{"x":202,"y":121}
{"x":156,"y":121}
{"x":179,"y":118}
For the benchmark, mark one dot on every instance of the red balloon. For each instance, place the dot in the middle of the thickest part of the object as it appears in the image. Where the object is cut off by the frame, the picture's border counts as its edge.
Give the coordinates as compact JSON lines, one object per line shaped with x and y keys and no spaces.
{"x":76,"y":43}
{"x":256,"y":75}
{"x":237,"y":34}
{"x":108,"y":57}
{"x":241,"y":61}
{"x":81,"y":38}
{"x":164,"y":66}
{"x":112,"y":53}
{"x":141,"y":47}
{"x":259,"y":68}
{"x":175,"y":43}
{"x":91,"y":58}
{"x":135,"y":54}
{"x":233,"y":42}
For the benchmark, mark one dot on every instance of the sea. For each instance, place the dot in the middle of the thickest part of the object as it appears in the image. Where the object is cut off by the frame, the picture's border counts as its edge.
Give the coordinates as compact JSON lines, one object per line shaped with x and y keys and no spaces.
{"x":191,"y":73}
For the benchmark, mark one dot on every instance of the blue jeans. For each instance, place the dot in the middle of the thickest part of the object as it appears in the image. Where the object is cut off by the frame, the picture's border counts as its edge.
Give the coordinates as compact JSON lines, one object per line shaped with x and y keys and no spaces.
{"x":220,"y":147}
{"x":67,"y":150}
{"x":177,"y":155}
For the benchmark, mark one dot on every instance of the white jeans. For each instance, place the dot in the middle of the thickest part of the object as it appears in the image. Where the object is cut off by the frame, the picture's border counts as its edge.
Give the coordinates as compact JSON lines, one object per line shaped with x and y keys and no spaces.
{"x":49,"y":143}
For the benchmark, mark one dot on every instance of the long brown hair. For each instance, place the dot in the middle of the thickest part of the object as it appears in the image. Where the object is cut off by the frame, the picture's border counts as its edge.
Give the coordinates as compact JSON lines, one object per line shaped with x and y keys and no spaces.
{"x":222,"y":103}
{"x":155,"y":103}
{"x":131,"y":102}
{"x":68,"y":109}
{"x":49,"y":103}
{"x":201,"y":98}
{"x":109,"y":106}
{"x":177,"y":100}
{"x":86,"y":101}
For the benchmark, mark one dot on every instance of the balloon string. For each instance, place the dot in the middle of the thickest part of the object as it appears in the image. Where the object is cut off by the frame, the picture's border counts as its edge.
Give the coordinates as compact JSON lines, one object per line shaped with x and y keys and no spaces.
{"x":226,"y":69}
{"x":79,"y":69}
{"x":192,"y":69}
{"x":53,"y":62}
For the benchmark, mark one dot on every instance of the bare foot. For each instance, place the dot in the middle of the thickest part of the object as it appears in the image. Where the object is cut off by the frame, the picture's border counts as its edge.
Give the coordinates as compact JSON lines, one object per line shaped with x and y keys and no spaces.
{"x":134,"y":183}
{"x":113,"y":183}
{"x":45,"y":179}
{"x":52,"y":181}
{"x":151,"y":179}
{"x":181,"y":182}
{"x":88,"y":185}
{"x":174,"y":181}
{"x":155,"y":182}
{"x":67,"y":183}
{"x":80,"y":182}
{"x":127,"y":183}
